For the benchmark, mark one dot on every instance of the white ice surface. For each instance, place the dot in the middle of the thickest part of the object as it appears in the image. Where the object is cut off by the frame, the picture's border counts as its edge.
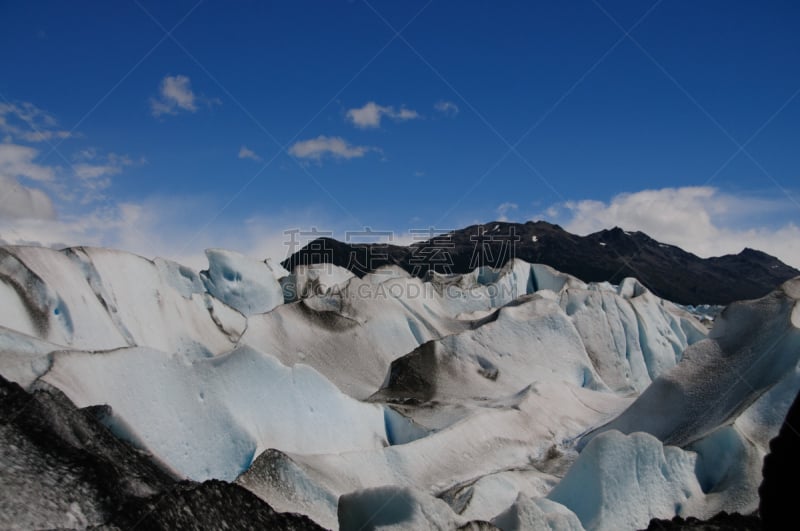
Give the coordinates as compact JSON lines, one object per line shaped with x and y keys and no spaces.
{"x":209,"y":418}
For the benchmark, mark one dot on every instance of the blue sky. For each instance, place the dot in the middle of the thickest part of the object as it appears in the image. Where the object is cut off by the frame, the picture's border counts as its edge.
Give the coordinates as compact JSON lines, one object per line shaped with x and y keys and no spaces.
{"x":251,"y":118}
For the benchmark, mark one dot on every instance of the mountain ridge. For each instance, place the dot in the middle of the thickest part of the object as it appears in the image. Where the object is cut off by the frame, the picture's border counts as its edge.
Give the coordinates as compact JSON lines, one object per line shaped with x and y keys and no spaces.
{"x":607,"y":255}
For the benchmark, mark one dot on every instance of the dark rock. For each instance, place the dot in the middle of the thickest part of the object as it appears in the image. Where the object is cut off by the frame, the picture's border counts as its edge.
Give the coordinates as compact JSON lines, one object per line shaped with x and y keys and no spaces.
{"x":778,"y":490}
{"x":720,"y":522}
{"x":412,"y":377}
{"x":477,"y":525}
{"x":62,"y":468}
{"x":210,"y":505}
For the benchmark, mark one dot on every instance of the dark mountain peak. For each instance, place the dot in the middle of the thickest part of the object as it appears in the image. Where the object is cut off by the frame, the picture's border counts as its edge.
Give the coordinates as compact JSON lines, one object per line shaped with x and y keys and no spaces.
{"x":608,"y":255}
{"x":619,"y":232}
{"x":615,"y":232}
{"x":755,"y":253}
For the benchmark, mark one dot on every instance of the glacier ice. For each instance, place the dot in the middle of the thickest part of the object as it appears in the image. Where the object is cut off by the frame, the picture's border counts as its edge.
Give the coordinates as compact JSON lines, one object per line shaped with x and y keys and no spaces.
{"x":753,"y":346}
{"x":539,"y":513}
{"x":247,"y":285}
{"x":623,"y":481}
{"x":518,"y":433}
{"x":392,"y":507}
{"x":209,"y":418}
{"x":310,"y":280}
{"x":520,"y":396}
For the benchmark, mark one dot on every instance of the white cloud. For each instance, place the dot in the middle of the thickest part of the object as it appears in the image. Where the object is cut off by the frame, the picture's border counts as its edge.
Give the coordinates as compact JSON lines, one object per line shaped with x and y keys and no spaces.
{"x":17,"y":161}
{"x":175,"y":95}
{"x":21,"y":202}
{"x":26,"y":122}
{"x":403,"y":114}
{"x":504,"y":209}
{"x":334,"y":146}
{"x":447,"y":108}
{"x":178,"y":89}
{"x":177,"y":228}
{"x":245,"y":153}
{"x":702,"y":220}
{"x":370,"y":115}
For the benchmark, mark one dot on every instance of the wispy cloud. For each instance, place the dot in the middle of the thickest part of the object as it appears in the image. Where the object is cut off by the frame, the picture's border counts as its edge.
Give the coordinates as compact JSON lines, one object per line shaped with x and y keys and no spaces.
{"x":171,"y":227}
{"x":699,"y":219}
{"x":447,"y":108}
{"x":34,"y":191}
{"x":176,"y":95}
{"x":94,"y":171}
{"x":245,"y":153}
{"x":24,"y":121}
{"x":324,"y":146}
{"x":27,"y":180}
{"x":504,"y":209}
{"x":369,"y":116}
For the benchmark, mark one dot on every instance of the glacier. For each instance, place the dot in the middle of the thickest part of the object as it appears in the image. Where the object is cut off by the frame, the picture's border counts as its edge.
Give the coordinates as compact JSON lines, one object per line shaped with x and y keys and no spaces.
{"x":520,"y":397}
